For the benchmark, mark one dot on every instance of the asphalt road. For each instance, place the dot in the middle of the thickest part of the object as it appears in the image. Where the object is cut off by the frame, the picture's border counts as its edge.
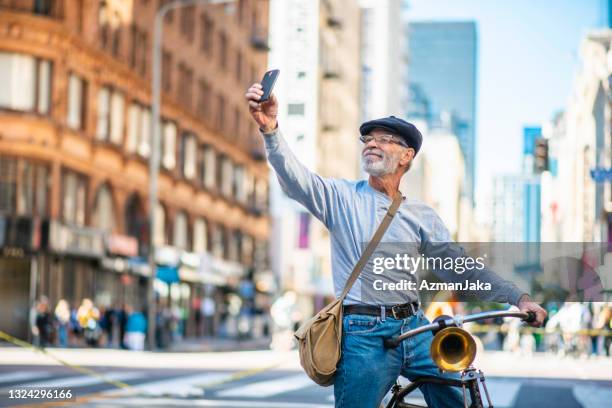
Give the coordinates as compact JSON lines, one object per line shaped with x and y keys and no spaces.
{"x":222,"y":380}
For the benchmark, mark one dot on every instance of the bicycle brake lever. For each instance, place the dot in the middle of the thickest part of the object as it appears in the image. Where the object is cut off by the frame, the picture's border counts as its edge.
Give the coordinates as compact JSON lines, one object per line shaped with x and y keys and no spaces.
{"x":531,"y":317}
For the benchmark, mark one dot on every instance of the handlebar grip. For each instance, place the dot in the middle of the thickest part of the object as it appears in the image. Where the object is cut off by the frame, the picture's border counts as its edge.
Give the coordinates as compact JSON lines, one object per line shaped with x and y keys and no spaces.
{"x":390,"y":342}
{"x":531,"y":317}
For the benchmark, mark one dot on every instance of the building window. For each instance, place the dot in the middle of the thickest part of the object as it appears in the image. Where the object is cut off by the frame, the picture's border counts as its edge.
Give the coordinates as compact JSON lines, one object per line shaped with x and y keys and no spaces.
{"x":203,"y":99}
{"x":27,"y":83}
{"x":8,"y":185}
{"x":199,"y":236}
{"x":185,"y":88}
{"x":207,"y":33}
{"x":247,"y":250}
{"x":295,"y":109}
{"x":180,"y":231}
{"x":233,"y":246}
{"x":139,"y":130}
{"x":42,"y":190}
{"x":104,"y":213}
{"x":236,"y":123}
{"x":238,"y":65}
{"x":167,"y":71}
{"x":74,"y":195}
{"x":227,"y":178}
{"x":111,"y":107}
{"x":144,"y":142}
{"x":187,"y":153}
{"x":159,"y":235}
{"x":220,"y":112}
{"x":76,"y":102}
{"x":238,"y":183}
{"x":102,"y":129}
{"x":217,"y":241}
{"x":188,"y":22}
{"x":169,"y":145}
{"x":261,"y":195}
{"x":222,"y":50}
{"x":210,"y":159}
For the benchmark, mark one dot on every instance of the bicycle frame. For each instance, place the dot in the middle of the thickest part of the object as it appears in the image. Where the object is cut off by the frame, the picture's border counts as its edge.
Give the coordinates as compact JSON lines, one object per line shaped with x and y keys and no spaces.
{"x":470,"y":377}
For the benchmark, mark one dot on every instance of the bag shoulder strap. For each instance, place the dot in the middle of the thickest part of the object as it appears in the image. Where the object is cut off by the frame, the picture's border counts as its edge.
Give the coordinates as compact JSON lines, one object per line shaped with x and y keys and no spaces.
{"x":373,"y":244}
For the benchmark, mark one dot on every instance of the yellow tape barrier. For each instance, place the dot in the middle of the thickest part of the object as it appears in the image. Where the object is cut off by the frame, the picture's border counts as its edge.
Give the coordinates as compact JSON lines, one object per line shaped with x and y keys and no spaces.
{"x":482,"y":328}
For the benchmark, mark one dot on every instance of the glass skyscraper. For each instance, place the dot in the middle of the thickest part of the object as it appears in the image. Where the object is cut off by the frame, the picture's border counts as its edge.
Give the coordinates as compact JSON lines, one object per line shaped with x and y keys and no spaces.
{"x":442,"y":82}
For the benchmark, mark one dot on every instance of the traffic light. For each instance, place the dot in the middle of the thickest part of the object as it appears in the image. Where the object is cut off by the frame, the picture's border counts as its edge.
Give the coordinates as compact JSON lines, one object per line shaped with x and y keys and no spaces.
{"x":540,"y":163}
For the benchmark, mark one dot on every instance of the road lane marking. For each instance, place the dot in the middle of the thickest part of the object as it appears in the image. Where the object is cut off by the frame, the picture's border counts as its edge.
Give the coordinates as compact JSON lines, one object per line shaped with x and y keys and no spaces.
{"x":503,"y":392}
{"x":23,"y":376}
{"x":191,"y":385}
{"x":592,"y":396}
{"x":167,"y":402}
{"x":262,"y":389}
{"x":82,"y":381}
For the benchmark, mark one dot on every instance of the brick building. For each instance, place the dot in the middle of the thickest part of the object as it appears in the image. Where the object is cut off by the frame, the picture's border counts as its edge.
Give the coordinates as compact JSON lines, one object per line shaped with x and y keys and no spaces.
{"x":75,"y":142}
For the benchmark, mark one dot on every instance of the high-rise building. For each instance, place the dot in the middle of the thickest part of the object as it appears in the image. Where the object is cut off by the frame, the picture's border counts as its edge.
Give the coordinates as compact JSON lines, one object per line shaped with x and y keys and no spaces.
{"x":315,"y":44}
{"x":442,"y":82}
{"x":75,"y":141}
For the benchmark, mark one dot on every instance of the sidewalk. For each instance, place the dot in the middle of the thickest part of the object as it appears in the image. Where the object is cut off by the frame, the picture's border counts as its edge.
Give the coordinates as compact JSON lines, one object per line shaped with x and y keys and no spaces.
{"x":208,"y":344}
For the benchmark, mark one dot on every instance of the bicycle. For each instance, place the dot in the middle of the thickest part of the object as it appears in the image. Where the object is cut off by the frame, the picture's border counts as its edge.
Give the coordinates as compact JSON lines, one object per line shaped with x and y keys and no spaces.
{"x":452,"y":349}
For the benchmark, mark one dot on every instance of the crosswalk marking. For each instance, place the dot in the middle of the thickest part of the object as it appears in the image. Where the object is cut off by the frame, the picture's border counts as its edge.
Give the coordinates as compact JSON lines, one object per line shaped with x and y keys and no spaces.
{"x":167,"y":402}
{"x":184,"y":386}
{"x":503,"y":392}
{"x":262,"y":389}
{"x":82,"y":381}
{"x":22,"y":376}
{"x":591,"y":396}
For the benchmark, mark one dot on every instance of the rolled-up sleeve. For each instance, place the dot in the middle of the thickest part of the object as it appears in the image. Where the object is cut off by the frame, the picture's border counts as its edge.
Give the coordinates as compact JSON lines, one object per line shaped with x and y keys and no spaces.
{"x":318,"y":194}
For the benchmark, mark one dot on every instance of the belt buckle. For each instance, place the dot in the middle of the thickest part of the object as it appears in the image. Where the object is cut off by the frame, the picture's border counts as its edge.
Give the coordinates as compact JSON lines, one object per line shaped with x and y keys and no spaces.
{"x":395,"y":313}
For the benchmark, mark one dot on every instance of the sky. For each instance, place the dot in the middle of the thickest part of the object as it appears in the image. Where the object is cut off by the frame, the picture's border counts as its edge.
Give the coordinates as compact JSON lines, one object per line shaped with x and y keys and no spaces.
{"x":528,"y":57}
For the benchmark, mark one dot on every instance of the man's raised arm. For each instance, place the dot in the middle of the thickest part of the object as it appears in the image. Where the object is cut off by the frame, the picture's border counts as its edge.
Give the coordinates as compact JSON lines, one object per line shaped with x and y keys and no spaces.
{"x":314,"y":192}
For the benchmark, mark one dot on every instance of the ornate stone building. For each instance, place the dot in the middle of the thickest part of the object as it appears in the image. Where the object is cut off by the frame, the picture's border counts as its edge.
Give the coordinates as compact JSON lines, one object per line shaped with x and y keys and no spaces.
{"x":75,"y":140}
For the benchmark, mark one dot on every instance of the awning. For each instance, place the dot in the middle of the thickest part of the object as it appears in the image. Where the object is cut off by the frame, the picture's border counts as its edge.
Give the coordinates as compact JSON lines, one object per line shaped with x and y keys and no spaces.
{"x":168,"y":274}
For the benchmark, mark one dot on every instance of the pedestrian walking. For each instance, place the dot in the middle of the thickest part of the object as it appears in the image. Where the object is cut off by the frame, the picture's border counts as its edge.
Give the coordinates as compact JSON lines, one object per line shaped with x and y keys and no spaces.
{"x":62,"y":317}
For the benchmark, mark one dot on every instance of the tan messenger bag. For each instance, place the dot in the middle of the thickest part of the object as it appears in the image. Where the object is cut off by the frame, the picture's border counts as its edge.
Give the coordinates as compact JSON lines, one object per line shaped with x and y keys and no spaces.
{"x":320,"y":338}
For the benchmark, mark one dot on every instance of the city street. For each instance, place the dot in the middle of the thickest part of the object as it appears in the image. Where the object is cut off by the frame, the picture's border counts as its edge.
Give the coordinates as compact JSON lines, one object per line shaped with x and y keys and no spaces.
{"x":273,"y":379}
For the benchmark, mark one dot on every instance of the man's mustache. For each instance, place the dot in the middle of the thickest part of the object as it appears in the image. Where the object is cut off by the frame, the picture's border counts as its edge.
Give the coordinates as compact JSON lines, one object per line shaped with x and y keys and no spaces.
{"x":376,"y":152}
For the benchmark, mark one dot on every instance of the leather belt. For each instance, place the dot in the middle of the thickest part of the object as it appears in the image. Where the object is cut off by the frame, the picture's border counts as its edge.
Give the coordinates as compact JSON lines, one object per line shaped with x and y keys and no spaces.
{"x":396,"y":311}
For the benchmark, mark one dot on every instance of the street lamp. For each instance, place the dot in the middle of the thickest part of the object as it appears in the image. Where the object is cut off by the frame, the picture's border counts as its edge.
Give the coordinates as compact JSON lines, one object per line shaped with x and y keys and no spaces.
{"x":155,"y":146}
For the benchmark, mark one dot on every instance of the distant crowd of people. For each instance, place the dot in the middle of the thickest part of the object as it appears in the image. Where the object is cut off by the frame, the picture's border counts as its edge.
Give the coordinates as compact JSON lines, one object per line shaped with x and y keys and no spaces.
{"x":85,"y":324}
{"x":578,"y":329}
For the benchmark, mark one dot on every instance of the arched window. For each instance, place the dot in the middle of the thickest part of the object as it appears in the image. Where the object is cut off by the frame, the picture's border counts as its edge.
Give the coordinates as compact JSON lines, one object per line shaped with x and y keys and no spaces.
{"x":104,"y":213}
{"x":180,"y":231}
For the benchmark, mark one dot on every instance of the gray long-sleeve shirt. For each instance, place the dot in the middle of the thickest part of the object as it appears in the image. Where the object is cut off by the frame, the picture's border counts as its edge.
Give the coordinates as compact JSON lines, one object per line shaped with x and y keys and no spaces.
{"x":352,"y":211}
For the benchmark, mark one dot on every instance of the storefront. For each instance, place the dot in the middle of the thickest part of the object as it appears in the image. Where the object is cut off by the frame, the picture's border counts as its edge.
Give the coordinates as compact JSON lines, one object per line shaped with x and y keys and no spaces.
{"x":118,"y":284}
{"x":70,"y":270}
{"x":19,"y":241}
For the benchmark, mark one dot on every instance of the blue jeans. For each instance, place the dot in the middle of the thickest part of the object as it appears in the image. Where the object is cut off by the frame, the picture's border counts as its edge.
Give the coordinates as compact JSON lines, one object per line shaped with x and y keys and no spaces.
{"x":367,"y":370}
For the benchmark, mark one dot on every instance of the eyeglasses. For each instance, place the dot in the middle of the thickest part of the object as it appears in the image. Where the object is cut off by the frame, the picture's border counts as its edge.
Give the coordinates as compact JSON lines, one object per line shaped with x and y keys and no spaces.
{"x":382,"y":139}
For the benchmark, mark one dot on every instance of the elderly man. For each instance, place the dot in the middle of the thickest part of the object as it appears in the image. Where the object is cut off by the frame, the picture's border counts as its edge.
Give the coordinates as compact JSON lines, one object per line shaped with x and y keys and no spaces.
{"x":352,"y":210}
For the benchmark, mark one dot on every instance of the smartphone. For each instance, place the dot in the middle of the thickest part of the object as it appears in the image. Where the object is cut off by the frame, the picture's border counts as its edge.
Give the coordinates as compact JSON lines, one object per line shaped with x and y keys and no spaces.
{"x":267,"y":83}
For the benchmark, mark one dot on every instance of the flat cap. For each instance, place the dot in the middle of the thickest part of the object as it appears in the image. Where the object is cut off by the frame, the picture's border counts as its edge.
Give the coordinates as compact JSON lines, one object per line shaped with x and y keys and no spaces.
{"x":397,"y":126}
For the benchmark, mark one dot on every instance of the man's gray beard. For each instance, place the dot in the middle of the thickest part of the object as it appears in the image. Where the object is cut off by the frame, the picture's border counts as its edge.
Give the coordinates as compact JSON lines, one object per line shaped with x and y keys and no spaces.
{"x":379,"y":168}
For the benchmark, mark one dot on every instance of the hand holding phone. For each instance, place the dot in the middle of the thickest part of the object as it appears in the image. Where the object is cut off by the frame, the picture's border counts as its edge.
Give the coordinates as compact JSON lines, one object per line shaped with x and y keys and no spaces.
{"x":263,"y":106}
{"x":267,"y":83}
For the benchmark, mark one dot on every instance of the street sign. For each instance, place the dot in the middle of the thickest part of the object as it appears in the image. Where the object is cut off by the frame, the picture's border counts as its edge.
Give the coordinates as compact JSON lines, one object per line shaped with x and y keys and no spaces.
{"x":601,"y":174}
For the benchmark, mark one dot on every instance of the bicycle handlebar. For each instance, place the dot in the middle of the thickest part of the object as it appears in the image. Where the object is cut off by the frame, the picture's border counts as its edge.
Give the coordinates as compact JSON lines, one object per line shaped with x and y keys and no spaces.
{"x":393,"y":342}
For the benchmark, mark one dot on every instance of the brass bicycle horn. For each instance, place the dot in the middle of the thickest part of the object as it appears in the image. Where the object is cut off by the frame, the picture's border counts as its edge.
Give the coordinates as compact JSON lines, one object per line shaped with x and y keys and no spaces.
{"x":453,"y":349}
